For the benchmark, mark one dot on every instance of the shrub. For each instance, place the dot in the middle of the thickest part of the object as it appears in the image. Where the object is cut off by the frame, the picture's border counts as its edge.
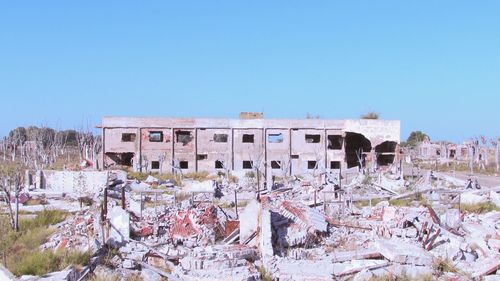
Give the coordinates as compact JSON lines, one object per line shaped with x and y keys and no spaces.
{"x":370,"y":115}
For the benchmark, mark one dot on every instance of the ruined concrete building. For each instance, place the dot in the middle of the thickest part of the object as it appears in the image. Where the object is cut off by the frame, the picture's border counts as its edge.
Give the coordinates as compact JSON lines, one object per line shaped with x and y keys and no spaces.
{"x":428,"y":150}
{"x":249,"y":143}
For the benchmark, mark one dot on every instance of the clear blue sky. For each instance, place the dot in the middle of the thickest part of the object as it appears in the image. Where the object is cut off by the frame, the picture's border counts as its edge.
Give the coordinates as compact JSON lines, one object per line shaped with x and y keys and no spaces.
{"x":435,"y":65}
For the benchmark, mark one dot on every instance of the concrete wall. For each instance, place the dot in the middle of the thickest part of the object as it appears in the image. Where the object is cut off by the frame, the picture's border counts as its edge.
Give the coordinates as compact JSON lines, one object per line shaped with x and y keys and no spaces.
{"x":83,"y":183}
{"x":113,"y":141}
{"x":293,"y":150}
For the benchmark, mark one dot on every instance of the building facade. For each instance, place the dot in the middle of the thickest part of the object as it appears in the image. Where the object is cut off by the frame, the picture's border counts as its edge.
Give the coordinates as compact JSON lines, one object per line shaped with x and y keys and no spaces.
{"x":272,"y":146}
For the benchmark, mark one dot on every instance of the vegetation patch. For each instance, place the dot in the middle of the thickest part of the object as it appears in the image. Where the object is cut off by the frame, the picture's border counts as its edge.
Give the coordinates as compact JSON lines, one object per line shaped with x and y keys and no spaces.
{"x":198,"y":176}
{"x":416,"y":198}
{"x":264,"y":275}
{"x":364,"y":203}
{"x":163,"y":176}
{"x":479,"y":208}
{"x":21,"y":248}
{"x":444,"y":265}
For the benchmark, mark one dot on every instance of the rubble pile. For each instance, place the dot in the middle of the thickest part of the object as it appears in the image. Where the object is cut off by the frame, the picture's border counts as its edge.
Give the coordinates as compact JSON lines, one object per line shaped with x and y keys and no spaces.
{"x":302,"y":229}
{"x":78,"y":232}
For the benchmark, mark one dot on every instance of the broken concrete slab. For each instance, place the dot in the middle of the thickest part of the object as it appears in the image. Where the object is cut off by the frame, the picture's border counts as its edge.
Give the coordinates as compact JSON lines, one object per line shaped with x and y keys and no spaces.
{"x":471,"y":198}
{"x":495,"y":198}
{"x":249,"y":222}
{"x":401,"y":252}
{"x":119,"y":220}
{"x":355,"y":255}
{"x":303,"y":215}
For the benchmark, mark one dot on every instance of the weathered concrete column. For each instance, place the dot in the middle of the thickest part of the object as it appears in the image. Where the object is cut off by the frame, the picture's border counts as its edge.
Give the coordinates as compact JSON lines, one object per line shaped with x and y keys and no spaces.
{"x":39,"y":180}
{"x":28,"y":179}
{"x":265,"y":236}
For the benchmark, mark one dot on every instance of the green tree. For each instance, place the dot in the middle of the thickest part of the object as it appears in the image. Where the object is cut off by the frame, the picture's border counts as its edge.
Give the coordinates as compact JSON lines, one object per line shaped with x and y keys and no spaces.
{"x":18,"y":135}
{"x":416,"y":137}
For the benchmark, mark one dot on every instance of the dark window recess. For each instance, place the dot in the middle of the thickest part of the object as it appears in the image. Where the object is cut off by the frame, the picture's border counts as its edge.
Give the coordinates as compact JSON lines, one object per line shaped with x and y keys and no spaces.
{"x":311,"y":165}
{"x":220,"y":137}
{"x":452,"y":153}
{"x":295,"y":156}
{"x":124,"y":159}
{"x":275,"y":164}
{"x":313,"y":138}
{"x":335,"y":165}
{"x":275,"y":138}
{"x":156,"y":136}
{"x":201,"y":157}
{"x":155,"y":165}
{"x":335,"y":142}
{"x":128,"y":137}
{"x":247,"y":164}
{"x":248,"y":138}
{"x":219,"y":165}
{"x":184,"y":164}
{"x":183,"y":137}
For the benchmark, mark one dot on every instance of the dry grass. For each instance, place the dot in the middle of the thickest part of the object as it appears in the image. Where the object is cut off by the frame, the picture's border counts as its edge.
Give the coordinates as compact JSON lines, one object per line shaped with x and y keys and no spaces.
{"x":444,"y":265}
{"x":33,"y":202}
{"x":198,"y":176}
{"x":402,"y":277}
{"x":264,"y":275}
{"x":22,"y":254}
{"x":364,"y":203}
{"x":416,"y":198}
{"x":479,"y":208}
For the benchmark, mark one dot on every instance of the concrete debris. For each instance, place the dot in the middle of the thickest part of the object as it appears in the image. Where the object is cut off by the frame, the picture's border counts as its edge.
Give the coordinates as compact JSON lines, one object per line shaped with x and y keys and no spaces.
{"x":367,"y":224}
{"x":404,"y":253}
{"x":75,"y":233}
{"x":119,"y":221}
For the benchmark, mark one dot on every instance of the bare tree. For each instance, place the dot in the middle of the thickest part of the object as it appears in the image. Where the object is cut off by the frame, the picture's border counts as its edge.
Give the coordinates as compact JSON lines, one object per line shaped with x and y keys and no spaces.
{"x":285,"y":165}
{"x":360,"y":156}
{"x":11,"y":186}
{"x":5,"y":147}
{"x":161,"y":158}
{"x":144,"y":163}
{"x":496,"y":143}
{"x":258,"y":165}
{"x":17,"y":138}
{"x":89,"y":145}
{"x":176,"y":166}
{"x":225,"y":161}
{"x":317,"y":171}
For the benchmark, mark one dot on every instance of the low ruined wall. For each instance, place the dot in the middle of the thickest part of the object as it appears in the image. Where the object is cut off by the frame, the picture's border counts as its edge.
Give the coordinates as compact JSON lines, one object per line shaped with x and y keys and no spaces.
{"x":82,"y":182}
